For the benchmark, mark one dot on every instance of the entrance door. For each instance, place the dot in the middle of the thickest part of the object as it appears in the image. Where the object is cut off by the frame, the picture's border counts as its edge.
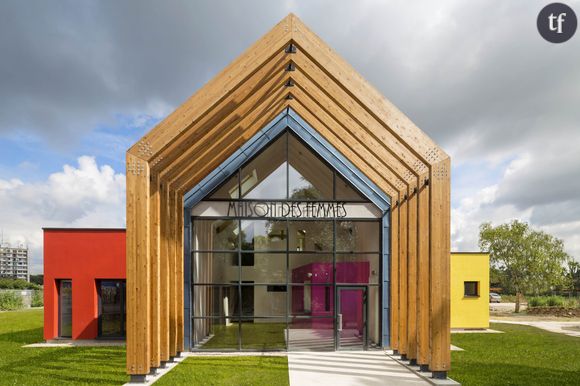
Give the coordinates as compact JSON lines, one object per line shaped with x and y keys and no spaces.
{"x":112,"y":308}
{"x":351,"y":323}
{"x":65,"y":308}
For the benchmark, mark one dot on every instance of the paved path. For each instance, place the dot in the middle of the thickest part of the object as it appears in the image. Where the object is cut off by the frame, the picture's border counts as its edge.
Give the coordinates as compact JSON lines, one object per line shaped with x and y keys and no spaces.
{"x":552,"y":326}
{"x":342,"y":368}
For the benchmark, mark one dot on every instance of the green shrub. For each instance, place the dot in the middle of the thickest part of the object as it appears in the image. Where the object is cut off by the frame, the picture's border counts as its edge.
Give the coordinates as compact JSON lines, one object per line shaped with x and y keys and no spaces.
{"x":555,"y":301}
{"x":10,"y":301}
{"x":539,"y":301}
{"x":7,"y":283}
{"x":37,"y":299}
{"x":572,"y":303}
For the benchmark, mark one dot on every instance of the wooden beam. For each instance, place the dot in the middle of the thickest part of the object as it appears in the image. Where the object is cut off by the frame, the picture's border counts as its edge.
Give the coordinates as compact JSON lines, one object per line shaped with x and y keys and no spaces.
{"x":403,"y":276}
{"x":155,"y":257}
{"x":138,"y":266}
{"x":394,"y":290}
{"x":412,"y":275}
{"x":179,"y":272}
{"x":423,"y":275}
{"x":164,"y":274}
{"x":218,"y":88}
{"x":440,"y":232}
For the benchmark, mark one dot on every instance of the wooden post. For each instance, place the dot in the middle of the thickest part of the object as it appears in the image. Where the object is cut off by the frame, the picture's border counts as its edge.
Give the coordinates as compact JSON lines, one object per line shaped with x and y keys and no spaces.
{"x":164,"y":275}
{"x":138,"y":265}
{"x":155,"y":254}
{"x":172,"y":273}
{"x":403,"y":276}
{"x":423,"y":279}
{"x":395,"y":276}
{"x":179,"y":273}
{"x":440,"y":251}
{"x":412,"y":276}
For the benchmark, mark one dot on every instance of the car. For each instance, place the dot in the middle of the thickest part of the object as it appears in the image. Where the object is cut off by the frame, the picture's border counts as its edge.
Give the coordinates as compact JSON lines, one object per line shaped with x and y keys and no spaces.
{"x":494,"y":298}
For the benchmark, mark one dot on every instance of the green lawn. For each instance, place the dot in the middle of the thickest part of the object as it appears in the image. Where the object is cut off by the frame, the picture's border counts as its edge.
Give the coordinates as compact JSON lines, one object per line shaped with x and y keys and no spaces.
{"x":255,"y":336}
{"x":229,"y":371}
{"x":521,"y":356}
{"x":52,"y":366}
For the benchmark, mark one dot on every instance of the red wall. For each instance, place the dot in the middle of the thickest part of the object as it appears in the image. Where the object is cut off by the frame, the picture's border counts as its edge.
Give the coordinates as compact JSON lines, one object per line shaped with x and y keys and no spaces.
{"x":84,"y":256}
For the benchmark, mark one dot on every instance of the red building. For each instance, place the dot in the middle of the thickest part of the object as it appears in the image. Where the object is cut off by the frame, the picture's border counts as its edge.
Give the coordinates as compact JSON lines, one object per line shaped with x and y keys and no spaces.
{"x":84,"y":283}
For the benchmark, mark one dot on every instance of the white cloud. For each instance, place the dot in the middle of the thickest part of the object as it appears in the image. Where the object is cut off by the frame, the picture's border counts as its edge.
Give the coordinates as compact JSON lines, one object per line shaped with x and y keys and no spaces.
{"x":85,"y":195}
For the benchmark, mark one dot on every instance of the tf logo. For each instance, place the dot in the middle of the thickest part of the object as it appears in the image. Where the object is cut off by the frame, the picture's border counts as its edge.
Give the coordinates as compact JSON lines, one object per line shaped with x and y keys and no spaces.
{"x":557,"y":22}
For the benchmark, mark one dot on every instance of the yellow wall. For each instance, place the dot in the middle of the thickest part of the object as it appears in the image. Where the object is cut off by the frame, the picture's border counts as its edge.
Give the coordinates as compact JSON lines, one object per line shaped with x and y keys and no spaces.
{"x":469,"y":312}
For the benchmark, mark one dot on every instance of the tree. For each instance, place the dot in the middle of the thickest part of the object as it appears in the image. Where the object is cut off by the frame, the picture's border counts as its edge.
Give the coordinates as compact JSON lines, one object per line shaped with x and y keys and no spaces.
{"x":37,"y":279}
{"x":532,"y":261}
{"x":573,"y":273}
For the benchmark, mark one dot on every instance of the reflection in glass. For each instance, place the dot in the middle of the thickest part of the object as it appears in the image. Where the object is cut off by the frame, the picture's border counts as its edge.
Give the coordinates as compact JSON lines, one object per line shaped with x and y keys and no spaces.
{"x":265,"y":301}
{"x":315,"y":268}
{"x":218,"y":234}
{"x":312,"y":300}
{"x":346,"y":192}
{"x":357,"y":236}
{"x":263,"y":235}
{"x":112,"y":308}
{"x":308,"y":177}
{"x":311,"y":235}
{"x":265,"y":176}
{"x":267,"y":268}
{"x":227,"y":190}
{"x":215,"y":267}
{"x":215,"y":334}
{"x":264,"y":334}
{"x":311,"y":334}
{"x":65,"y":308}
{"x":216,"y":301}
{"x":357,"y":268}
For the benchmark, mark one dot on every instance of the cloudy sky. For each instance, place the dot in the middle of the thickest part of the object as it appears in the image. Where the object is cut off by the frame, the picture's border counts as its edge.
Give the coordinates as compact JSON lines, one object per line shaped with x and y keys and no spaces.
{"x":80,"y":81}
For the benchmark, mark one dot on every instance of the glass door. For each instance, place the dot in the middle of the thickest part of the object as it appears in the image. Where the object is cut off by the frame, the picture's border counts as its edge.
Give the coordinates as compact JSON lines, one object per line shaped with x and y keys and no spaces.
{"x":65,"y":308}
{"x":351,"y":318}
{"x":112,"y":308}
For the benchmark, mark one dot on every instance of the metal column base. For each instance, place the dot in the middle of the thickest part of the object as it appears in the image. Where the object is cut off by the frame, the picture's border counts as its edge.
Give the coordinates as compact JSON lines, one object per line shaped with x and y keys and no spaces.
{"x":138,"y":378}
{"x":424,"y":368}
{"x":413,"y":362}
{"x":439,"y":375}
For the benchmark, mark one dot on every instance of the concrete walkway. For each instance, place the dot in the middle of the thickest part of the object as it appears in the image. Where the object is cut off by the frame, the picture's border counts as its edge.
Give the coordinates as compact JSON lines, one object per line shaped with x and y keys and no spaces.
{"x":342,"y":368}
{"x":552,"y":326}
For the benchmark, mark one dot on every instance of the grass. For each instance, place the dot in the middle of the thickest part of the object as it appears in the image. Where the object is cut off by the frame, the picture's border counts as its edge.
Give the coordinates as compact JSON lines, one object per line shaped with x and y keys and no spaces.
{"x":257,"y":336}
{"x":229,"y":371}
{"x":52,"y":366}
{"x":523,"y":355}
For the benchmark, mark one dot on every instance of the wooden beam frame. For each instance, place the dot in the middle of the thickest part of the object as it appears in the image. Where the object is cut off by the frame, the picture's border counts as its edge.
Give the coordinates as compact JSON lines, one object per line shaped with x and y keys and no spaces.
{"x":354,"y":118}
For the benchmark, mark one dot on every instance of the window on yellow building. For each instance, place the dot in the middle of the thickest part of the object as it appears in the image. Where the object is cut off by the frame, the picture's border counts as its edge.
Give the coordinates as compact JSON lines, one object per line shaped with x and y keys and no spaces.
{"x":471,"y":288}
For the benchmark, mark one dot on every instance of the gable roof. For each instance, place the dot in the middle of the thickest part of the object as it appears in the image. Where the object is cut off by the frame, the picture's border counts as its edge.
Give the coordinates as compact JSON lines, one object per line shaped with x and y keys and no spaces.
{"x":289,"y":67}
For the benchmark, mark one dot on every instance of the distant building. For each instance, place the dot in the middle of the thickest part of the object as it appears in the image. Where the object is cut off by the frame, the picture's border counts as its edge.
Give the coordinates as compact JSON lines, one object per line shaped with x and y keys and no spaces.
{"x":14,"y":262}
{"x":469,"y":290}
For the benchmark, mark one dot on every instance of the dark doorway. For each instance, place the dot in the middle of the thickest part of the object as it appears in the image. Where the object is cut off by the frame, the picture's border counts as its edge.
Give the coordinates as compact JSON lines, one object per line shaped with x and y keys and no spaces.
{"x":111,"y":308}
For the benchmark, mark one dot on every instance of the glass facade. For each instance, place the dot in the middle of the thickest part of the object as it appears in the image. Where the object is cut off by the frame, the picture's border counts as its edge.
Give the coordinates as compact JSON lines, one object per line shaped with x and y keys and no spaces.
{"x":273,"y":283}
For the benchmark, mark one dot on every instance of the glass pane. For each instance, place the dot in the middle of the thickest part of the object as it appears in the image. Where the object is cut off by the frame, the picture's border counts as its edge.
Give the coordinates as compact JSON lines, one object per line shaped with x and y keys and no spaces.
{"x":351,"y":323}
{"x":357,"y":236}
{"x":357,"y":268}
{"x":266,"y":268}
{"x":308,"y":177}
{"x":312,"y":300}
{"x":264,"y":235}
{"x":265,"y":176}
{"x":346,"y":192}
{"x":228,"y":190}
{"x":311,"y":334}
{"x":222,"y":301}
{"x":65,"y":308}
{"x":374,"y":332}
{"x":215,"y":334}
{"x":215,"y":267}
{"x":264,"y":301}
{"x":314,"y":268}
{"x":215,"y":235}
{"x":112,"y":297}
{"x":264,"y":334}
{"x":310,"y":235}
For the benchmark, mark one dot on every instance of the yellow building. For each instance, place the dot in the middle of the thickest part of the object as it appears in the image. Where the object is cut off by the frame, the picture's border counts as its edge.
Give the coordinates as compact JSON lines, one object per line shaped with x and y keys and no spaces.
{"x":469,"y":290}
